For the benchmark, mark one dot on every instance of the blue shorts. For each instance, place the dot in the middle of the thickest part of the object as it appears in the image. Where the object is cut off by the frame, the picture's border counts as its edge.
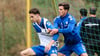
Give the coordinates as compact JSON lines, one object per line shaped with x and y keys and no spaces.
{"x":68,"y":49}
{"x":39,"y":50}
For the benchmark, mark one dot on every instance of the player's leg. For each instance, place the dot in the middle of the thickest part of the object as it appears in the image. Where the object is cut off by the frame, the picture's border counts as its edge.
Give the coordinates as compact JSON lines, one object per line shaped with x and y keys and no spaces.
{"x":27,"y":52}
{"x":64,"y":51}
{"x":53,"y":55}
{"x":35,"y":50}
{"x":61,"y":54}
{"x":84,"y":54}
{"x":80,"y":49}
{"x":39,"y":50}
{"x":53,"y":51}
{"x":90,"y":50}
{"x":61,"y":51}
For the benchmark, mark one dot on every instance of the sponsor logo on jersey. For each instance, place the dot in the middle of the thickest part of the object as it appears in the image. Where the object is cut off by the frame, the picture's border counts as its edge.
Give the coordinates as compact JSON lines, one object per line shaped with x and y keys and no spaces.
{"x":91,"y":24}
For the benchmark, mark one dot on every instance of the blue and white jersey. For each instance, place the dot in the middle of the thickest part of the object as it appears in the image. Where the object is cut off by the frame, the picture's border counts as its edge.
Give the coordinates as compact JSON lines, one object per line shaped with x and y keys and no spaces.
{"x":41,"y":30}
{"x":67,"y":26}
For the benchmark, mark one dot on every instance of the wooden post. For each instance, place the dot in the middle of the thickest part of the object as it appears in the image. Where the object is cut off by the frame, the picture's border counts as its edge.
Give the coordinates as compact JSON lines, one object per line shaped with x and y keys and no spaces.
{"x":28,"y":24}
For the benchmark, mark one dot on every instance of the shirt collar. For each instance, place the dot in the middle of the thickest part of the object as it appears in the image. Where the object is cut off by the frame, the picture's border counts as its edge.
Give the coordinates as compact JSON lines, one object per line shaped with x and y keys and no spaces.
{"x":41,"y":22}
{"x":65,"y":16}
{"x":84,"y":17}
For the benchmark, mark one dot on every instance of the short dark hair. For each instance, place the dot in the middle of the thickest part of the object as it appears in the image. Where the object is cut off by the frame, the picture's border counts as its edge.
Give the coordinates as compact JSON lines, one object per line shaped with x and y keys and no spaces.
{"x":34,"y":11}
{"x":83,"y":12}
{"x":65,"y":5}
{"x":93,"y":10}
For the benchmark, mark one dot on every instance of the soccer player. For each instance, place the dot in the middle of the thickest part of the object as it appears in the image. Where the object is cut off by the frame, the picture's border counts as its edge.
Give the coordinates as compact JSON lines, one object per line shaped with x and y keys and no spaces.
{"x":47,"y":42}
{"x":66,"y":24}
{"x":83,"y":16}
{"x":90,"y":32}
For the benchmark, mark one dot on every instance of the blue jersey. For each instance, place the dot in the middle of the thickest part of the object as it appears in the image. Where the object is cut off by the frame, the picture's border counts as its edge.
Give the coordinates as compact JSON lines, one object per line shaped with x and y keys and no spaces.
{"x":67,"y":26}
{"x":80,"y":23}
{"x":42,"y":34}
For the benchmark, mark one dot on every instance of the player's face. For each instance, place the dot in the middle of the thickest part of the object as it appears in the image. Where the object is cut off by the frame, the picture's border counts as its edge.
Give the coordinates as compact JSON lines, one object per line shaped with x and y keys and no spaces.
{"x":62,"y":11}
{"x":34,"y":17}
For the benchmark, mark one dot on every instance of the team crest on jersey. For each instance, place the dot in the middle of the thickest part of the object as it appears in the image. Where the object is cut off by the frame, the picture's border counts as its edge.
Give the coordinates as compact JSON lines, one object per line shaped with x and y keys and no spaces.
{"x":66,"y":22}
{"x":70,"y":17}
{"x":48,"y":24}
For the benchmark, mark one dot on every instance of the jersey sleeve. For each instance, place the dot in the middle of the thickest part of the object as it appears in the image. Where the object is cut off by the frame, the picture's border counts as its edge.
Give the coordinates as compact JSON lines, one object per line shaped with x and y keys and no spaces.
{"x":55,"y":22}
{"x":70,"y":27}
{"x":49,"y":25}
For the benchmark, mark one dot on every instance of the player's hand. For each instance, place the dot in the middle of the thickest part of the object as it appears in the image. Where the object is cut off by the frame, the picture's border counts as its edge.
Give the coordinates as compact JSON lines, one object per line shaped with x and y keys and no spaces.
{"x":47,"y":48}
{"x":54,"y":31}
{"x":48,"y":30}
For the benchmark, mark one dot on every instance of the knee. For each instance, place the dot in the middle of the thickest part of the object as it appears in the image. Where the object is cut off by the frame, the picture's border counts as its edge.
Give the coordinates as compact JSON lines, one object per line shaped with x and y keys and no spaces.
{"x":22,"y":53}
{"x":53,"y":55}
{"x":84,"y":54}
{"x":60,"y":54}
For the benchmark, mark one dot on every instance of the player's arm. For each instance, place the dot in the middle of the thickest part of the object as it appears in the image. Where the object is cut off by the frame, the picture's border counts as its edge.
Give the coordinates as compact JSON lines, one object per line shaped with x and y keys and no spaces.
{"x":70,"y":27}
{"x":50,"y":26}
{"x":56,"y":26}
{"x":55,"y":36}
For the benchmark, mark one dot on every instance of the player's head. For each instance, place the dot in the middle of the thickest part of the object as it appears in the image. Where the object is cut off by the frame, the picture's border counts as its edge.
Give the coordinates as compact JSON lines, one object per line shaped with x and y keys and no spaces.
{"x":83,"y":12}
{"x":34,"y":14}
{"x":63,"y":8}
{"x":93,"y":11}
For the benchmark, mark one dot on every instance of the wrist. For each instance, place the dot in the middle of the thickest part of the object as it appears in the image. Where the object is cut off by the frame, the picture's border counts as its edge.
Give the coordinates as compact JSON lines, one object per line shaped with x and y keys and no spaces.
{"x":59,"y":30}
{"x":51,"y":42}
